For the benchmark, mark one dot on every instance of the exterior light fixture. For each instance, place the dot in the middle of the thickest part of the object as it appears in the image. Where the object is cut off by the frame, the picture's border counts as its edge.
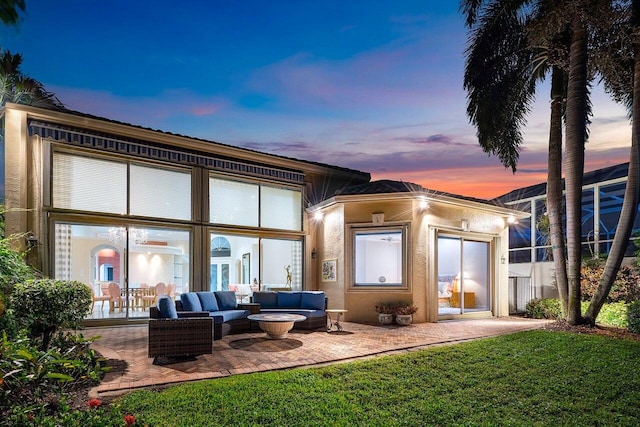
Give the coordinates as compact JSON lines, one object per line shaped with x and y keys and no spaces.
{"x":423,"y":204}
{"x":465,"y":225}
{"x":318,"y":216}
{"x":511,"y":219}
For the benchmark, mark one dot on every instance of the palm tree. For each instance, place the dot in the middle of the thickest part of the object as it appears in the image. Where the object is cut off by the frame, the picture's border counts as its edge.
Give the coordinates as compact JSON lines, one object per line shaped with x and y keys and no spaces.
{"x":507,"y":33}
{"x":20,"y":89}
{"x":9,"y":11}
{"x":502,"y":69}
{"x":625,"y":86}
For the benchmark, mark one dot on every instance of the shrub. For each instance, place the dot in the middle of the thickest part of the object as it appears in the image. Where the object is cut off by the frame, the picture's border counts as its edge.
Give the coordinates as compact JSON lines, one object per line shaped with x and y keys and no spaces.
{"x":13,"y":268}
{"x":44,"y":305}
{"x":633,"y":317}
{"x":611,"y":314}
{"x":34,"y":379}
{"x":625,"y":288}
{"x":544,"y":308}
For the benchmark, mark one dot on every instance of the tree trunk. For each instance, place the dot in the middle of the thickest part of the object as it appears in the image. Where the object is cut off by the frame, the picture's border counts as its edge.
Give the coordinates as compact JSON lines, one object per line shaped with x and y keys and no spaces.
{"x":576,"y":117}
{"x":554,"y":187}
{"x":631,"y":197}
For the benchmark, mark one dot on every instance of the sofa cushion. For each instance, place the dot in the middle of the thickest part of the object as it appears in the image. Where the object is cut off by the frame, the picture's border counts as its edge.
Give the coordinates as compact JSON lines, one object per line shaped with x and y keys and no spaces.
{"x":227,"y":315}
{"x":226,"y":300}
{"x":190,"y":302}
{"x":266,"y":299}
{"x":208,"y":301}
{"x":167,"y":308}
{"x":301,"y":311}
{"x":288,"y":299}
{"x":312,"y":300}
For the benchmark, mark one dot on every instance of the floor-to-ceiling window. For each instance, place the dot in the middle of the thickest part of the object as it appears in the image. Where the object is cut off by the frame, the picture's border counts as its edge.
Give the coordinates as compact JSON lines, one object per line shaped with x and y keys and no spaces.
{"x":126,"y":267}
{"x":464,"y":274}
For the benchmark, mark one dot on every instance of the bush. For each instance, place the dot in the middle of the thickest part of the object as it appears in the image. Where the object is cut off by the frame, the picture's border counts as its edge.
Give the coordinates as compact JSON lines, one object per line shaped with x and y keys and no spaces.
{"x":45,"y":305}
{"x":545,"y":308}
{"x":385,"y":308}
{"x":404,"y":308}
{"x":624,"y":289}
{"x":611,"y":314}
{"x":13,"y":268}
{"x":33,"y":380}
{"x":633,"y":317}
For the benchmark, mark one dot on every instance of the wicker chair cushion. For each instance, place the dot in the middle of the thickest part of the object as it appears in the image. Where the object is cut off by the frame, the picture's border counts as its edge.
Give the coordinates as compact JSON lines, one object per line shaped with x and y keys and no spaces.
{"x":208,"y":301}
{"x":312,"y":300}
{"x":289,"y":299}
{"x":226,"y":300}
{"x":167,"y":308}
{"x":190,"y":302}
{"x":266,"y":299}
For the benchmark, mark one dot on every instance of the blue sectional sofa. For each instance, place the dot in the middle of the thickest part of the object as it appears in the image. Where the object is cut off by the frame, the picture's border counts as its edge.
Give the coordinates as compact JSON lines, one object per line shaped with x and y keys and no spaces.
{"x":311,"y":304}
{"x":230,"y":317}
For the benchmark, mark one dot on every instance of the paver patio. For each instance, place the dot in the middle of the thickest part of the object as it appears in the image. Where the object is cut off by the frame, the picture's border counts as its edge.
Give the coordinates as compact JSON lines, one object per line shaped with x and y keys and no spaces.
{"x":253,"y":352}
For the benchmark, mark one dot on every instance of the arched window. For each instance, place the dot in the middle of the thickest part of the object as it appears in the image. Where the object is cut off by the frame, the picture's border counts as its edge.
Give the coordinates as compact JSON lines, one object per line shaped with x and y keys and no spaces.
{"x":220,"y":247}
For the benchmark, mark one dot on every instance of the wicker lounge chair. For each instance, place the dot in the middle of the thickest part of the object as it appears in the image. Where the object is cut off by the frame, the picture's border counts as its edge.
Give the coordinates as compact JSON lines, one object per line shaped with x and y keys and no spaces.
{"x":172,"y":340}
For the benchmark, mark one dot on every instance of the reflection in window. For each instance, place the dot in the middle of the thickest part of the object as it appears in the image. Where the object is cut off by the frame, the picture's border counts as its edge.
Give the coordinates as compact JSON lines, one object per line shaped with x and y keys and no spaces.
{"x":379,"y":257}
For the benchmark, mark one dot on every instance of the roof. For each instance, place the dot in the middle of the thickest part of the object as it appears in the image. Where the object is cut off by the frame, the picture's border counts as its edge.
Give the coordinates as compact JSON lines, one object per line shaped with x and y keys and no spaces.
{"x":171,"y":134}
{"x":392,"y":189}
{"x":592,"y":177}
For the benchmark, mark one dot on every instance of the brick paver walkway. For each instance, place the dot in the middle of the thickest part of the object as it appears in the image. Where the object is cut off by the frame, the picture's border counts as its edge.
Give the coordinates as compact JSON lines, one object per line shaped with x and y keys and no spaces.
{"x":252,"y":352}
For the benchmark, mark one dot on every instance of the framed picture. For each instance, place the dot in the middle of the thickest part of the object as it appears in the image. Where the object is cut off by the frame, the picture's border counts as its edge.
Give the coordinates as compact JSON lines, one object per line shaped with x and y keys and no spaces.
{"x":329,"y":270}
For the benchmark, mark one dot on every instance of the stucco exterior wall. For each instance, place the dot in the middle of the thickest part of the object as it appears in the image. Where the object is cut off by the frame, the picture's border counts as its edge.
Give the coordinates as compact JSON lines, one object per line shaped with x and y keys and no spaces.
{"x":334,"y":233}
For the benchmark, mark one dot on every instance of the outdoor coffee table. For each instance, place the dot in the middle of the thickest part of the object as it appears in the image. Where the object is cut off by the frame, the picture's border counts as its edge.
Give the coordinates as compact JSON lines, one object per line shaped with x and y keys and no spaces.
{"x":276,"y":325}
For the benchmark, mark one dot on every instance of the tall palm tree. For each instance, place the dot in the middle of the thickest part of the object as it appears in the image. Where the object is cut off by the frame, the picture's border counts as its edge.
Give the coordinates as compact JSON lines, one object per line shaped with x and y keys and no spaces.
{"x":511,"y":49}
{"x":534,"y":25}
{"x":20,"y":89}
{"x":621,"y":66}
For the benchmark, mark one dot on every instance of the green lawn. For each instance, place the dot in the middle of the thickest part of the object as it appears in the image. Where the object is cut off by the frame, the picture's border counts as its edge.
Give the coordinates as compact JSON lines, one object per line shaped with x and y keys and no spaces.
{"x":531,"y":378}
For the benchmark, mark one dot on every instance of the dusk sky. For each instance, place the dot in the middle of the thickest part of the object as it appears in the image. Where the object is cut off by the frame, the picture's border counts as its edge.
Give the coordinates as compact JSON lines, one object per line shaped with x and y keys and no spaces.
{"x":370,"y":85}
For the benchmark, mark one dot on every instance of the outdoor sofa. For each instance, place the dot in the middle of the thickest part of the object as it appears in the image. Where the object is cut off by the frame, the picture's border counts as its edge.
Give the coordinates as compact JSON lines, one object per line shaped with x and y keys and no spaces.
{"x":311,"y":304}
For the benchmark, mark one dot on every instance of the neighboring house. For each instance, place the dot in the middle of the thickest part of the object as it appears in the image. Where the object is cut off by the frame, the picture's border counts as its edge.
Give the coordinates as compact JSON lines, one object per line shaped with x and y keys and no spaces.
{"x":529,"y":247}
{"x":109,"y":203}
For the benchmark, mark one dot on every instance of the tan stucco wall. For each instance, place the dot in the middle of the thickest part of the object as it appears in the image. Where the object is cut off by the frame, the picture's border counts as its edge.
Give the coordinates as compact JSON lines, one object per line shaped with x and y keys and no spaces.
{"x":333,"y":232}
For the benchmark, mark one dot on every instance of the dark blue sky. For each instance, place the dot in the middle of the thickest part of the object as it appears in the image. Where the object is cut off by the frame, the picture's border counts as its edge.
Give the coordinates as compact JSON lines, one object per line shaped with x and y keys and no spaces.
{"x":370,"y":85}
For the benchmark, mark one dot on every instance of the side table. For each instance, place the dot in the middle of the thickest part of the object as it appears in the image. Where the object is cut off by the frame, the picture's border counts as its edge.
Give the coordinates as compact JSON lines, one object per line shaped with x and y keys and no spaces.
{"x":338,"y":313}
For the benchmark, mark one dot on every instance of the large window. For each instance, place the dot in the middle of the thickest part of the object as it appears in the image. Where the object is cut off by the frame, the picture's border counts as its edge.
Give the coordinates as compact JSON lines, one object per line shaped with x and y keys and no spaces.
{"x":126,"y":267}
{"x":245,"y":264}
{"x":96,"y":185}
{"x":86,"y":184}
{"x":160,"y":193}
{"x":254,"y":205}
{"x":379,"y":257}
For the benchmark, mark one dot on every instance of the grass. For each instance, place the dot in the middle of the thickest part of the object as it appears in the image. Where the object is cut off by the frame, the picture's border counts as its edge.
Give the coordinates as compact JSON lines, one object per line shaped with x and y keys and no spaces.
{"x":530,"y":378}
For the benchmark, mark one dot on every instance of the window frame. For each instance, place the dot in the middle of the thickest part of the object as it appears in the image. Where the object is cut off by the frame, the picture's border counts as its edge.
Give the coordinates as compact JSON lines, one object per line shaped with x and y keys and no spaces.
{"x":359,"y":229}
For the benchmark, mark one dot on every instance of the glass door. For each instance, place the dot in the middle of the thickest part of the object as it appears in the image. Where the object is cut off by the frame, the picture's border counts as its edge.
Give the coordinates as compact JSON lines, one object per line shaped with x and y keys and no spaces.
{"x":464,"y":275}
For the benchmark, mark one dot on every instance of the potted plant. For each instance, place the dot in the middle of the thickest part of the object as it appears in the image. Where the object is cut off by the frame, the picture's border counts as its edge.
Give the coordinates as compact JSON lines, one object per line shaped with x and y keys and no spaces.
{"x":385,"y":313}
{"x":404,"y":313}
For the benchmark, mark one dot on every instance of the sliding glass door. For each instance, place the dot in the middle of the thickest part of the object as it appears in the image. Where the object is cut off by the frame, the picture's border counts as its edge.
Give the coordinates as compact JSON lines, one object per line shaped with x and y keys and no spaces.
{"x":464,"y":274}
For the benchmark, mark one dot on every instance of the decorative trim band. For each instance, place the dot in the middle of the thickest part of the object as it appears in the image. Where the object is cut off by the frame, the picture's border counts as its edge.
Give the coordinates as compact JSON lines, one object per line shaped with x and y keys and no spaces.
{"x":137,"y":148}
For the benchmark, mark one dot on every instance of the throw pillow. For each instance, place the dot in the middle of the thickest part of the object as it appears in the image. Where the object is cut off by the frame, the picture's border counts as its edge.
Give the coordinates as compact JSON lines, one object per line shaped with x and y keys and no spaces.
{"x":190,"y":302}
{"x":167,"y":308}
{"x":226,"y":300}
{"x":208,"y":301}
{"x":312,"y":300}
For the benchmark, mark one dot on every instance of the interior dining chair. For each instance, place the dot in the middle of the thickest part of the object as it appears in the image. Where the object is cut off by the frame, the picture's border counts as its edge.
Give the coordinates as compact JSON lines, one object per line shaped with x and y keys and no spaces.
{"x":159,"y":290}
{"x":101,"y":298}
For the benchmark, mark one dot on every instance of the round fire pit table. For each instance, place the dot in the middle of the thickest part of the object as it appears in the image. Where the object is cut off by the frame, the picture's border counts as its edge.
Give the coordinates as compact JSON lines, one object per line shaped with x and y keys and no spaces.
{"x":276,"y":325}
